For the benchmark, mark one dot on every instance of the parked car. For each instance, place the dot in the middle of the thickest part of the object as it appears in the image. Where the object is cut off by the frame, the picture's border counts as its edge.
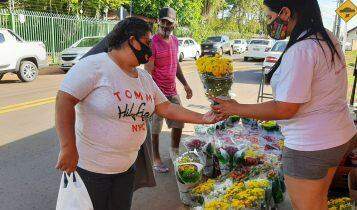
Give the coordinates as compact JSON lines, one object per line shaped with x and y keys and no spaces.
{"x":188,"y":48}
{"x":240,"y":45}
{"x":70,"y":56}
{"x":274,"y":55}
{"x":217,"y":45}
{"x":21,"y":57}
{"x":258,"y":48}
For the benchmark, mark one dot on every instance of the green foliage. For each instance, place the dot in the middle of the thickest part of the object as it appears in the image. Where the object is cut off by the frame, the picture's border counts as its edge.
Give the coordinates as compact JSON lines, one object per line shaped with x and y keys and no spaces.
{"x":196,"y":18}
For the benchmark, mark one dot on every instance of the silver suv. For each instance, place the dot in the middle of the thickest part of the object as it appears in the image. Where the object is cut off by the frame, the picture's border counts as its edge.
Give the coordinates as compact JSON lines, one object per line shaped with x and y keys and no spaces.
{"x":217,"y":45}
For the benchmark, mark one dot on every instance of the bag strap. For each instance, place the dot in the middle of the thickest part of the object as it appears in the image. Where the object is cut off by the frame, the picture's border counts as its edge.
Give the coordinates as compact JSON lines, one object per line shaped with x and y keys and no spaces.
{"x":67,"y":177}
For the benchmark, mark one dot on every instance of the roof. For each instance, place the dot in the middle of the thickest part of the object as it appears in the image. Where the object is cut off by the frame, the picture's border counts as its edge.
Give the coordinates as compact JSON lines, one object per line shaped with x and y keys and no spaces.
{"x":352,"y":29}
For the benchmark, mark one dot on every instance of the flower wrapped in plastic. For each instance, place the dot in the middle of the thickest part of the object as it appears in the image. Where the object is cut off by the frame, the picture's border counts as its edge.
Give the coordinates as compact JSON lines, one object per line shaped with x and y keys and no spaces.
{"x":188,"y":171}
{"x":229,"y":155}
{"x":216,"y":75}
{"x":194,"y":143}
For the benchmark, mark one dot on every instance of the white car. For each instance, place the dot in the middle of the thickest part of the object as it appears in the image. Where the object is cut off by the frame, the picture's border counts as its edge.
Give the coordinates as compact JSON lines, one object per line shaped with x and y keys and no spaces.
{"x":274,"y":55}
{"x":240,"y":45}
{"x":69,"y":57}
{"x":258,"y":48}
{"x":20,"y":57}
{"x":188,"y":48}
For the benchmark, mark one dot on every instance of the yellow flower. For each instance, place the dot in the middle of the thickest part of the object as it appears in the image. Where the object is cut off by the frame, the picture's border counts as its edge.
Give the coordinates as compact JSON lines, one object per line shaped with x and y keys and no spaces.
{"x":216,"y":204}
{"x":216,"y":65}
{"x":204,"y":188}
{"x":258,"y":183}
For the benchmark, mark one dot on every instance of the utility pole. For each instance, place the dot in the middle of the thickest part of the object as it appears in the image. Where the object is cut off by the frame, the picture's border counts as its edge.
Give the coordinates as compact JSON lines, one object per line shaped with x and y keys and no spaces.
{"x":131,"y":8}
{"x":336,"y":19}
{"x":339,"y":21}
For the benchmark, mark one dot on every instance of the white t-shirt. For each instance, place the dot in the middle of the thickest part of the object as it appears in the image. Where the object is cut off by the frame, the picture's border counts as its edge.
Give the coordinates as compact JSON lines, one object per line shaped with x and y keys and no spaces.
{"x":110,"y":119}
{"x":307,"y":76}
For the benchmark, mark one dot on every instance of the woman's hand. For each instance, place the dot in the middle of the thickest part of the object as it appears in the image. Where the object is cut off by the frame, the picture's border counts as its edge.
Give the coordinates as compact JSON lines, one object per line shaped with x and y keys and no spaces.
{"x":225,"y":107}
{"x":67,"y":159}
{"x":212,"y":118}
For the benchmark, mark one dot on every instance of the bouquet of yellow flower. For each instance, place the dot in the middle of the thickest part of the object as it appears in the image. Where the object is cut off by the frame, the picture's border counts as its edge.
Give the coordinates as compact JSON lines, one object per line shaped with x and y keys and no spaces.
{"x":216,"y":74}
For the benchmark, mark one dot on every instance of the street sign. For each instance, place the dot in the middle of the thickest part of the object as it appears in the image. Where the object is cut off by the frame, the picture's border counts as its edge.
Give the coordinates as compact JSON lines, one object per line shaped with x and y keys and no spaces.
{"x":347,"y":10}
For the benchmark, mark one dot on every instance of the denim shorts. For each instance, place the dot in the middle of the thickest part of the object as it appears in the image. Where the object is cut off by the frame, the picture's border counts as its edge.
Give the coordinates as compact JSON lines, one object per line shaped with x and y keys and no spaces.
{"x":315,"y":164}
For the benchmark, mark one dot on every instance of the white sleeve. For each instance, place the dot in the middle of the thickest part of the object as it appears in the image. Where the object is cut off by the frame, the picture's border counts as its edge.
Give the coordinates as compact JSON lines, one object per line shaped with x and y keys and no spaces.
{"x":295,"y":75}
{"x":159,"y":97}
{"x":81,"y":80}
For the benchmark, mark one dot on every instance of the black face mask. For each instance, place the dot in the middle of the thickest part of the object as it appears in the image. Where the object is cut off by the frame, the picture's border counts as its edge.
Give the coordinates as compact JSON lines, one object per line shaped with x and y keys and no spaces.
{"x":142,"y":55}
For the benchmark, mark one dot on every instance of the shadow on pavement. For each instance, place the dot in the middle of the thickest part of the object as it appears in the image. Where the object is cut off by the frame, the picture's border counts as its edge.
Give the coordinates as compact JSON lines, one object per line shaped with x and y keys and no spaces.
{"x":52,"y":70}
{"x":248,"y":77}
{"x":9,"y":81}
{"x":30,"y":181}
{"x":28,"y":177}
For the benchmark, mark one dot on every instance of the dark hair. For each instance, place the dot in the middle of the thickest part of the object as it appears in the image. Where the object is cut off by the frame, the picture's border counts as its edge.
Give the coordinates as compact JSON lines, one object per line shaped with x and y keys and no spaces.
{"x":125,"y":29}
{"x":309,"y":19}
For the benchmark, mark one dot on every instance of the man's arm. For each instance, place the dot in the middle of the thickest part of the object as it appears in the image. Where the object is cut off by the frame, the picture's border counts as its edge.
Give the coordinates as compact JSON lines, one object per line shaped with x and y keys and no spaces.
{"x":180,"y":76}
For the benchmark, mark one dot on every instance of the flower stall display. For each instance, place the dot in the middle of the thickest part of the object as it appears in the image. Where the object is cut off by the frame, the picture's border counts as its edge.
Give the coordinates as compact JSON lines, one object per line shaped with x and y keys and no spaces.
{"x":228,"y":166}
{"x":216,"y":75}
{"x":341,"y":204}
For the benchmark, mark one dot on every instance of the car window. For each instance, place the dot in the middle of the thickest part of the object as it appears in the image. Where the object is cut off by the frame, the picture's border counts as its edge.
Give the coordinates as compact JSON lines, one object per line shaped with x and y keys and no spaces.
{"x":89,"y":42}
{"x":187,"y":43}
{"x":15,"y":36}
{"x":191,"y":42}
{"x":214,"y":39}
{"x":279,"y":47}
{"x":260,"y":42}
{"x":180,"y":42}
{"x":237,"y":42}
{"x":2,"y":38}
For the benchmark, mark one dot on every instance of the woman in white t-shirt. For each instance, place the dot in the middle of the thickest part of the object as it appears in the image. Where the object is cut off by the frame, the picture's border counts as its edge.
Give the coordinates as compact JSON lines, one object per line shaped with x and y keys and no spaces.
{"x":309,"y":85}
{"x":101,"y":113}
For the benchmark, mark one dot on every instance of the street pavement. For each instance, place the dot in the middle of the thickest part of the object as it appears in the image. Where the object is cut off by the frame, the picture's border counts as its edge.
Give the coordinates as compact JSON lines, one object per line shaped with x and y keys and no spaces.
{"x":29,"y":145}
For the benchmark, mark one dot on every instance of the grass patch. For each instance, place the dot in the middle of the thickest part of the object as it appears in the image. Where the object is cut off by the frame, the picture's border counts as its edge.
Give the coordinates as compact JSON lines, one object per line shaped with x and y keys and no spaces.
{"x":351,"y":58}
{"x":350,"y":61}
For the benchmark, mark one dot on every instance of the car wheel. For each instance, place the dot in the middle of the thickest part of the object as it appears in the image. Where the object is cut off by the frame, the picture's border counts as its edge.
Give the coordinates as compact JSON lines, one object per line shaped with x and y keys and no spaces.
{"x":65,"y":70}
{"x":197,"y":56}
{"x":28,"y":71}
{"x":246,"y":58}
{"x":2,"y":75}
{"x":181,"y":57}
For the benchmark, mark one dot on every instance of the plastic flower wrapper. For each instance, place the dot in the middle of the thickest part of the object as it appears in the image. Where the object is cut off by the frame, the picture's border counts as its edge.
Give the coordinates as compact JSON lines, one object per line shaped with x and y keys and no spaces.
{"x":195,"y":143}
{"x":229,"y":155}
{"x":216,"y":75}
{"x":188,"y":171}
{"x":208,"y":159}
{"x":201,"y":130}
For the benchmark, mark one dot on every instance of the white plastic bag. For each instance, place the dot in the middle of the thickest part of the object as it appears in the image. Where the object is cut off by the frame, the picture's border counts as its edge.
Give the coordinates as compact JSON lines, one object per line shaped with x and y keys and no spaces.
{"x":73,"y":194}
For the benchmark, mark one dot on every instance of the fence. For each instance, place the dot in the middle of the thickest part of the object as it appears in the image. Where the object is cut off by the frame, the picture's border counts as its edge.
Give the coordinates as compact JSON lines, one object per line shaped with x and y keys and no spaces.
{"x":57,"y":32}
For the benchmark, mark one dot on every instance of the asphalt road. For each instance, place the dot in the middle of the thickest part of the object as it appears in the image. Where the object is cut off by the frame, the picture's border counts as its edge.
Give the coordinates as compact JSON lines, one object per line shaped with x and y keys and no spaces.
{"x":29,"y":147}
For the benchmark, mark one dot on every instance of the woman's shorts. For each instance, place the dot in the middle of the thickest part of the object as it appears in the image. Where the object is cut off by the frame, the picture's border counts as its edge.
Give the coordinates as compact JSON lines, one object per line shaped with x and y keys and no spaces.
{"x":315,"y":164}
